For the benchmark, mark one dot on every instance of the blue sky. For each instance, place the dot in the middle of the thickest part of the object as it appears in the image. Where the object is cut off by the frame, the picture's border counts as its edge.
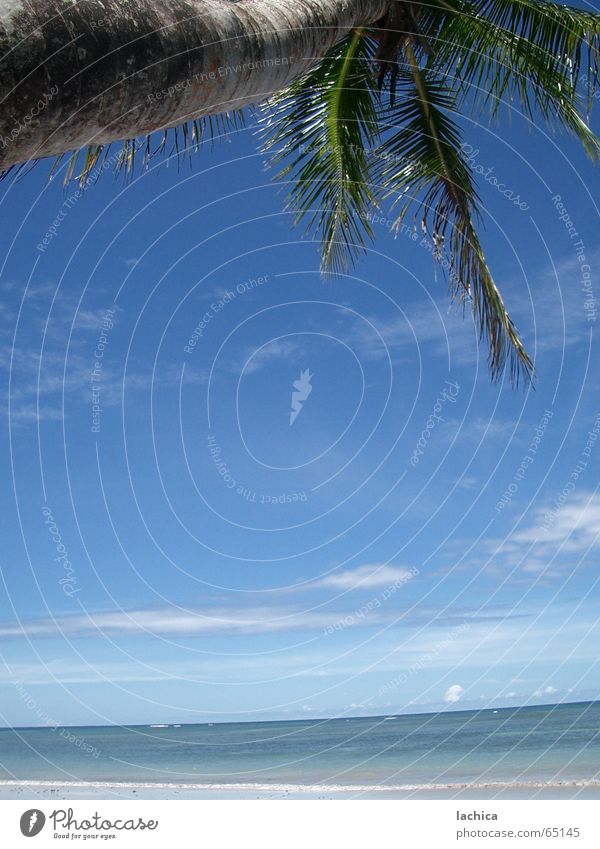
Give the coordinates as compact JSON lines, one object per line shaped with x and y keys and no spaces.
{"x":174,"y":550}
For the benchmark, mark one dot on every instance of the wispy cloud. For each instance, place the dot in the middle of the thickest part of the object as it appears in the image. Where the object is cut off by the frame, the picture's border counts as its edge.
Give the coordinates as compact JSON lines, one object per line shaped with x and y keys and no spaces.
{"x":477,"y":644}
{"x":365,"y":577}
{"x":573,"y":527}
{"x":255,"y":360}
{"x":173,"y":621}
{"x":38,"y":384}
{"x":482,"y":429}
{"x":170,"y":620}
{"x":435,"y":325}
{"x":556,"y":315}
{"x":549,"y":540}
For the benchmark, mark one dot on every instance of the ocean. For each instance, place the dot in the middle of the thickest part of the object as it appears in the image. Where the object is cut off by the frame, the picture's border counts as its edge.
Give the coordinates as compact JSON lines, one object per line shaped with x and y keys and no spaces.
{"x":556,"y":746}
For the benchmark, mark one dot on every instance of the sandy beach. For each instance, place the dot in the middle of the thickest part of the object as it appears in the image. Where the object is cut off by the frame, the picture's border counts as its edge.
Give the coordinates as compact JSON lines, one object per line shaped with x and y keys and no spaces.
{"x":66,"y":791}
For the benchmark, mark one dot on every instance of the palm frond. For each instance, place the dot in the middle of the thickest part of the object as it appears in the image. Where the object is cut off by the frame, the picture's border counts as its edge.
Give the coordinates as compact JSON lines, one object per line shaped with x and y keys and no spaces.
{"x":562,"y":32}
{"x":565,"y":32}
{"x":320,"y":129}
{"x":492,"y":60}
{"x":424,"y":166}
{"x":180,"y":142}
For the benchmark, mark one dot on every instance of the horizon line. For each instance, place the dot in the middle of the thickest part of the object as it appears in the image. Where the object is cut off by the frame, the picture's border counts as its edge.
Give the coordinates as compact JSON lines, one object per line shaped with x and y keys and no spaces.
{"x":300,"y":719}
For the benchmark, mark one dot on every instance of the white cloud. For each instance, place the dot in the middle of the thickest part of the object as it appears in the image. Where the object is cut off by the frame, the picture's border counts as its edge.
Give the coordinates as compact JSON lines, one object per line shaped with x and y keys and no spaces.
{"x":38,"y":385}
{"x":546,"y":691}
{"x":433,"y":323}
{"x":92,"y":319}
{"x":480,"y":429}
{"x":553,"y":537}
{"x":453,"y":694}
{"x":366,"y":577}
{"x":174,"y":621}
{"x":575,"y":525}
{"x":256,"y":359}
{"x":556,"y":322}
{"x":417,"y":637}
{"x":467,"y":482}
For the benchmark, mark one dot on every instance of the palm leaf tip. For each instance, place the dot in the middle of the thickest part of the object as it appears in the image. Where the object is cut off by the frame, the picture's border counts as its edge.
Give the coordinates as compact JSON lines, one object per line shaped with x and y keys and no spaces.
{"x":494,"y":324}
{"x":427,"y":169}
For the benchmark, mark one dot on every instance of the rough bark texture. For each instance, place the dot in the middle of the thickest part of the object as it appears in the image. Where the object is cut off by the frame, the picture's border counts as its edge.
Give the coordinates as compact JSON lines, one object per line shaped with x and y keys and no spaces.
{"x":94,"y":71}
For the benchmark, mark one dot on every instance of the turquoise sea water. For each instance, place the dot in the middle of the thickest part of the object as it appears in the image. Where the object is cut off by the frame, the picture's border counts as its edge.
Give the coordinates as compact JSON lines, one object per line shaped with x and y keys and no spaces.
{"x":550,"y":745}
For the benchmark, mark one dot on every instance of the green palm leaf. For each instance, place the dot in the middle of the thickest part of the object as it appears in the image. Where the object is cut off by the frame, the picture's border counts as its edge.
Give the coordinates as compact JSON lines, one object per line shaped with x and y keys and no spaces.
{"x":181,"y":142}
{"x":423,"y":165}
{"x":321,"y":129}
{"x":494,"y":59}
{"x":563,"y":31}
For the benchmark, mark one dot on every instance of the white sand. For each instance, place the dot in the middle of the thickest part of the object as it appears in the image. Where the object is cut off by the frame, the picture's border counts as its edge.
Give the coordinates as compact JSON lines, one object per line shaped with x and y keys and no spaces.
{"x":125,"y":790}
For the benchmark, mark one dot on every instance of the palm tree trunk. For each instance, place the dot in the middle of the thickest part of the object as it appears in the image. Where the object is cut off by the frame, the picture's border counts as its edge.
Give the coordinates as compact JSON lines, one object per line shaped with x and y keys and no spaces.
{"x":94,"y":71}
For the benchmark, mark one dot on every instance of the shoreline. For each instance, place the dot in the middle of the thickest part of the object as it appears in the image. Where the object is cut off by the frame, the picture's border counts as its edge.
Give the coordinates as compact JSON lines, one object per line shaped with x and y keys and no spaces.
{"x":112,"y":790}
